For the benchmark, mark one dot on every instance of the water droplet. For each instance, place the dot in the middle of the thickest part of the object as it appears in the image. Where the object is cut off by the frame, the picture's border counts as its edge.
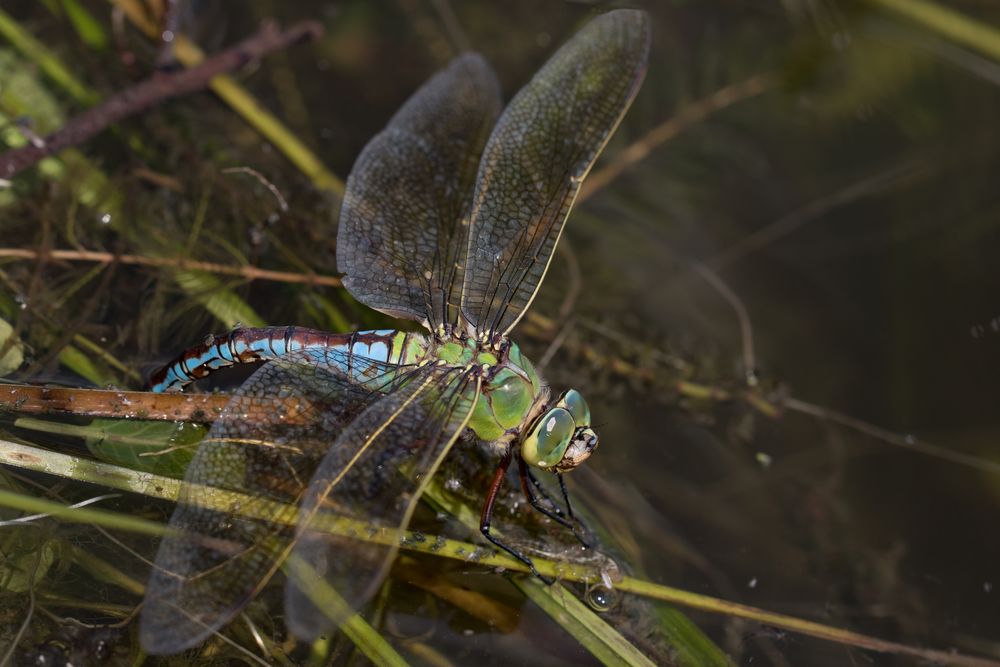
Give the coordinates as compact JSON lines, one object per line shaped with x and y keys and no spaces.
{"x":106,"y":219}
{"x":601,"y":599}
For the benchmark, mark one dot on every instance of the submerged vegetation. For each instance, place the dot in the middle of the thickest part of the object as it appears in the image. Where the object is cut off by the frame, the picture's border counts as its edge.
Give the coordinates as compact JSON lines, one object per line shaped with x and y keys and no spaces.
{"x":778,"y":290}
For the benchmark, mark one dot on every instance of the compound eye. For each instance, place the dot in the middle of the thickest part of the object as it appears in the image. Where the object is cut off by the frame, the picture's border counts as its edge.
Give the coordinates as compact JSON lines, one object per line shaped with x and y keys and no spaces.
{"x":573,"y":401}
{"x":546,"y":444}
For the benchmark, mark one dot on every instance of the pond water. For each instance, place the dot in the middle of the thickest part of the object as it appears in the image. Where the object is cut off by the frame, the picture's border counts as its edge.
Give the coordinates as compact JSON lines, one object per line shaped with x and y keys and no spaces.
{"x":779,"y":295}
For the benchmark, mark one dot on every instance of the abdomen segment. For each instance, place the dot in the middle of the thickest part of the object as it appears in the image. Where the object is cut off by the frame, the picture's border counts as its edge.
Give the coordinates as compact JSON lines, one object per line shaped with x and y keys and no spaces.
{"x":242,"y":346}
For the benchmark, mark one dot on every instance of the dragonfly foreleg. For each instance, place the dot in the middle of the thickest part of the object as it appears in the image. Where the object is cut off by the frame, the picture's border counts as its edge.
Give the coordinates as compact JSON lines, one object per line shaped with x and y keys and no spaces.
{"x":486,"y":518}
{"x":533,"y":489}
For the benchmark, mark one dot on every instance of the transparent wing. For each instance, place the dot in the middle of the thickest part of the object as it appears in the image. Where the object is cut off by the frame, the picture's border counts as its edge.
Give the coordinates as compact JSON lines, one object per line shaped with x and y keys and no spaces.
{"x":401,"y":240}
{"x":383,"y":460}
{"x":538,"y":155}
{"x":238,"y":504}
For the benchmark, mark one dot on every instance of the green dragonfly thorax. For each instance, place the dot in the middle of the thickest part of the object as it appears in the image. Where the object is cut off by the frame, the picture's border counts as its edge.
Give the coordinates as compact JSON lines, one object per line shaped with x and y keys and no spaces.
{"x":516,"y":407}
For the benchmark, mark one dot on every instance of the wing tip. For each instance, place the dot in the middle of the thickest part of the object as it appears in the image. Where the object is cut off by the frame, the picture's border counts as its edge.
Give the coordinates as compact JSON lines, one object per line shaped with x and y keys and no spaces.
{"x":165,"y":632}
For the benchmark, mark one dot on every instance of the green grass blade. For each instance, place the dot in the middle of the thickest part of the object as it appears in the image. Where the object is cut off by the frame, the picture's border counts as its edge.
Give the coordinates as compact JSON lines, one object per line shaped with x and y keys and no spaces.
{"x":603,"y":641}
{"x":223,"y":303}
{"x":957,"y":27}
{"x":325,"y":597}
{"x":53,"y":68}
{"x":81,"y":364}
{"x":105,"y":518}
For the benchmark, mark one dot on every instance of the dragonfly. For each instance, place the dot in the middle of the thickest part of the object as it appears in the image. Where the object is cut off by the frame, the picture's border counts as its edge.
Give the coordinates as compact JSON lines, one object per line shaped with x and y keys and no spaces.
{"x":450,"y":219}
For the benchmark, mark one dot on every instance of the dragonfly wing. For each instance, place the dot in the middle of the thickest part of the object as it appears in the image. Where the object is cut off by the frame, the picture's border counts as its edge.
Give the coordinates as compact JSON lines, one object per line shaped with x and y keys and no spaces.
{"x":539,"y":153}
{"x":369,"y":484}
{"x":401,"y":242}
{"x":238,"y":505}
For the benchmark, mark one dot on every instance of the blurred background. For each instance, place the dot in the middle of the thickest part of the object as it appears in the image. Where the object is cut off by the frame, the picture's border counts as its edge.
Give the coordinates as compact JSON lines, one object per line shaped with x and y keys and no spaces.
{"x":779,"y":291}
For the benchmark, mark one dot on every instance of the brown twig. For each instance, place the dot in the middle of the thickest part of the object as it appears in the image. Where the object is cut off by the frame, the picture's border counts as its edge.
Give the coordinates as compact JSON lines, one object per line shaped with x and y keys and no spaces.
{"x":155,"y":90}
{"x":179,"y":263}
{"x":112,"y":404}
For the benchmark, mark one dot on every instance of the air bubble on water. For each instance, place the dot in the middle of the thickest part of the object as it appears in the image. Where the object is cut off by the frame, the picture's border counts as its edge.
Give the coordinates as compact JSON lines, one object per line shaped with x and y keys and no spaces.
{"x":752,"y":583}
{"x":453,"y":484}
{"x":601,"y":598}
{"x":105,"y":219}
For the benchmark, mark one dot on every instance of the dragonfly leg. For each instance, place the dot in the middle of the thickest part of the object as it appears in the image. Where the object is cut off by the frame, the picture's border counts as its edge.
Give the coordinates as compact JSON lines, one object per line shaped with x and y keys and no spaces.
{"x":535,"y":493}
{"x":486,"y":518}
{"x":531,"y":486}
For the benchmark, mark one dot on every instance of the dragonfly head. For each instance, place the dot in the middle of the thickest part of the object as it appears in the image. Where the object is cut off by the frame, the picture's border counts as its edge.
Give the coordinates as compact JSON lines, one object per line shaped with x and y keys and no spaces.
{"x":561,"y":438}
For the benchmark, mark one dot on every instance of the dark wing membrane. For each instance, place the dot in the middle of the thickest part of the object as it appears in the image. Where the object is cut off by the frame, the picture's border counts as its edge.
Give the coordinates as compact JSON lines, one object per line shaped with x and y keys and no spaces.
{"x":370,"y":482}
{"x":238,"y":505}
{"x":402,"y":240}
{"x":538,"y":155}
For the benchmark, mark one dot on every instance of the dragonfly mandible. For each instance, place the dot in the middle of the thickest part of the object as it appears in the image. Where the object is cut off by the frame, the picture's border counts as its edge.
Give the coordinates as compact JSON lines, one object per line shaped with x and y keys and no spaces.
{"x":450,"y":218}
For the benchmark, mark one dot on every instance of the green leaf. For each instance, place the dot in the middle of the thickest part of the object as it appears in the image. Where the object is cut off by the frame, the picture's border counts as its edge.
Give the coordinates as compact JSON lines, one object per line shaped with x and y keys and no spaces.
{"x":28,"y":552}
{"x":28,"y":556}
{"x":163,"y":448}
{"x":11,"y":350}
